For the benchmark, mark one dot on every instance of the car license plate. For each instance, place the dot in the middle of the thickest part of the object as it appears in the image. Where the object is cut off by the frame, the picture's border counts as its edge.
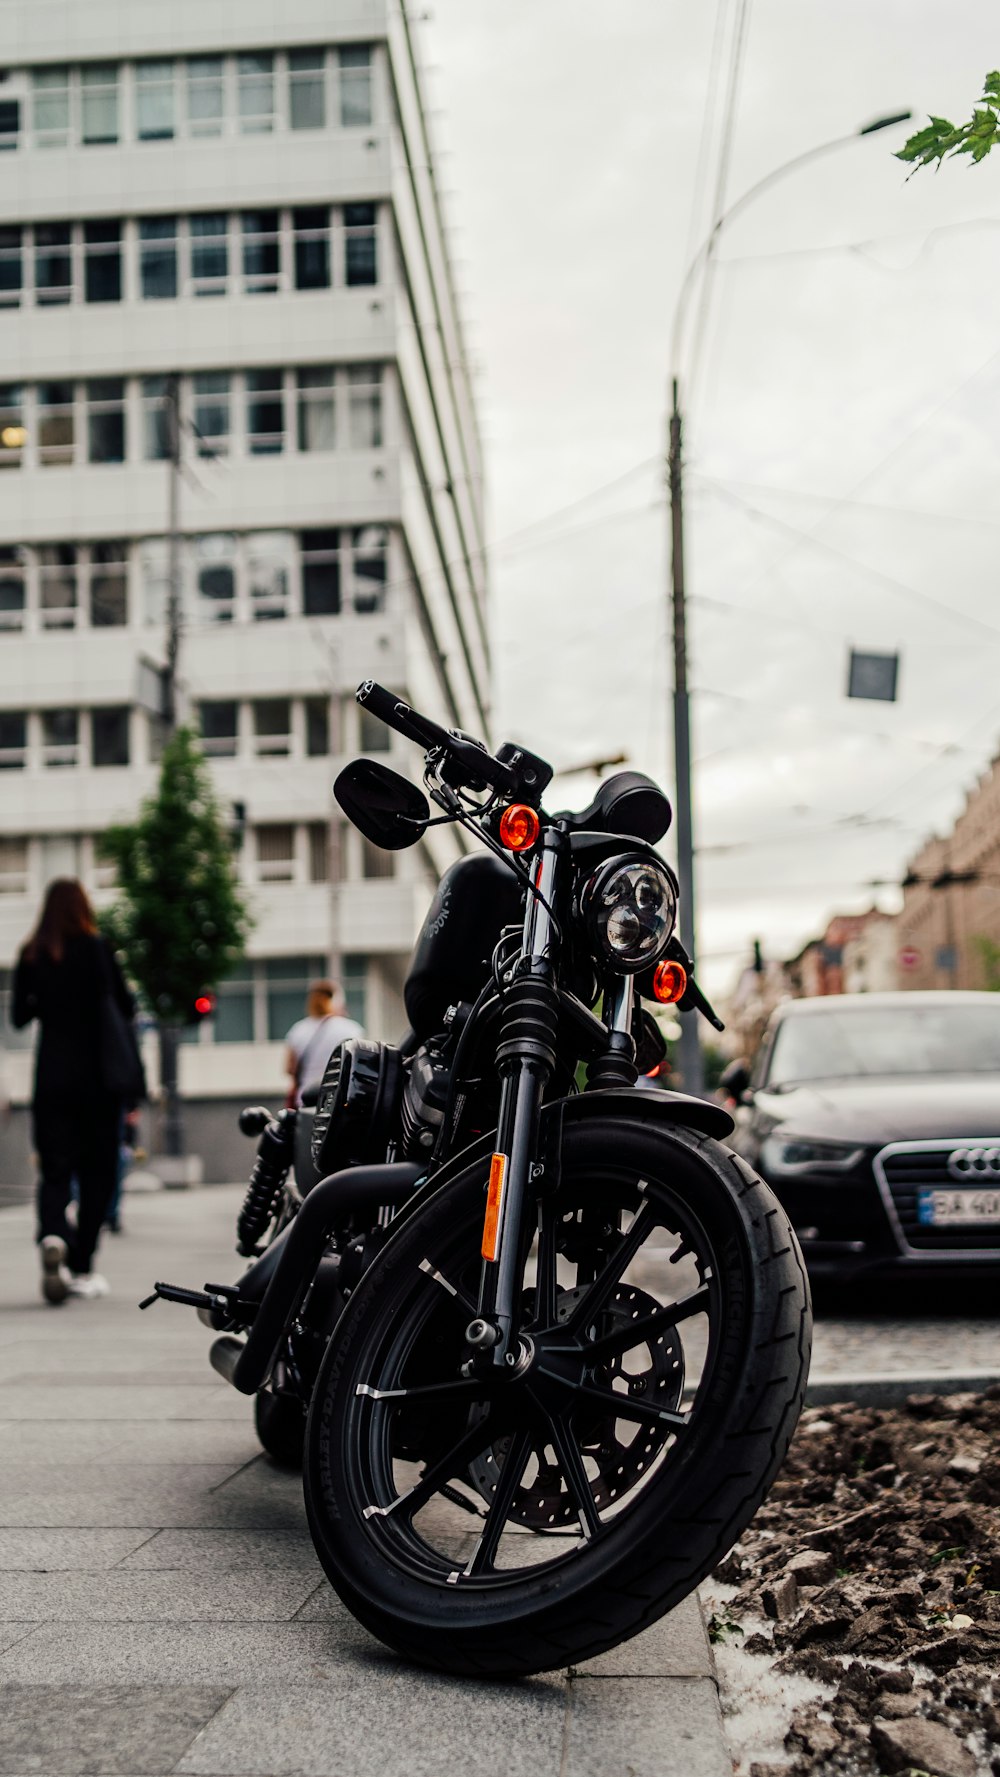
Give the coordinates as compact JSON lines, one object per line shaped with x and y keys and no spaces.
{"x":941,"y":1209}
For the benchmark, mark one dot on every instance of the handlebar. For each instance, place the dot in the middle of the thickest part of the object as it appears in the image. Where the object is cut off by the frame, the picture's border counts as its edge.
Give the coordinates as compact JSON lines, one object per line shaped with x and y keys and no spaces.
{"x":478,"y":767}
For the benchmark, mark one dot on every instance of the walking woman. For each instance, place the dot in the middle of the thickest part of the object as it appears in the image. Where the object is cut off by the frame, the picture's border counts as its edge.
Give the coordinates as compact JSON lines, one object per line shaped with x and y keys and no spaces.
{"x":64,"y":973}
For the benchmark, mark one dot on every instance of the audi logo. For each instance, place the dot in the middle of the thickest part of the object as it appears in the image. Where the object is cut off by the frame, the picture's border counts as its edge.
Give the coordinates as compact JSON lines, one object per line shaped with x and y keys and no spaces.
{"x":964,"y":1163}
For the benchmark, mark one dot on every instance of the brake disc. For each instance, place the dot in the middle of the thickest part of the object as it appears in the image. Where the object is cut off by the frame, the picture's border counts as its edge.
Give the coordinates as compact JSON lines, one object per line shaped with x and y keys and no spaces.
{"x":616,"y":1453}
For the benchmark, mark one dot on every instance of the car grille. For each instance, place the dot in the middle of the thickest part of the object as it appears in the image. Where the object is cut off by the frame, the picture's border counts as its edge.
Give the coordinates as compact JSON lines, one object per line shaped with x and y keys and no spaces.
{"x":902,"y":1171}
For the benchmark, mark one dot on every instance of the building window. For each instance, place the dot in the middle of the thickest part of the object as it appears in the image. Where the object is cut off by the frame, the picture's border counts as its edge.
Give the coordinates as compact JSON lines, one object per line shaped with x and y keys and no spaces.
{"x":317,"y":430}
{"x":157,"y":257}
{"x":55,"y":423}
{"x":215,"y":576}
{"x":233,"y":1019}
{"x":11,"y":587}
{"x":261,"y":252}
{"x":209,"y":254}
{"x":13,"y":740}
{"x":311,"y":233}
{"x":272,"y":727}
{"x":276,"y":854}
{"x":368,"y":553}
{"x":307,"y":89}
{"x":205,"y":95}
{"x":212,"y":413}
{"x":106,"y":420}
{"x":319,"y":851}
{"x":317,"y":711}
{"x":265,"y":412}
{"x":375,"y":863}
{"x":50,"y":107}
{"x":373,"y":735}
{"x":156,"y":428}
{"x":57,"y":585}
{"x":13,"y":866}
{"x":10,"y":122}
{"x":102,"y":261}
{"x":53,"y":262}
{"x":360,"y":263}
{"x":255,"y":94}
{"x":219,"y":729}
{"x":99,"y":102}
{"x":364,"y":406}
{"x":154,"y":575}
{"x":320,"y":573}
{"x":268,"y":574}
{"x":287,"y":981}
{"x":355,"y":85}
{"x":60,"y":737}
{"x":11,"y":267}
{"x":154,"y":101}
{"x":108,"y":585}
{"x":12,"y":433}
{"x":109,"y":737}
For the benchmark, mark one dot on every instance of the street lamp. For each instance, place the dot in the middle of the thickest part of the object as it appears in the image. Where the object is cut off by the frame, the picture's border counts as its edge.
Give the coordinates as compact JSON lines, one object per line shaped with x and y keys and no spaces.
{"x":690,"y":1049}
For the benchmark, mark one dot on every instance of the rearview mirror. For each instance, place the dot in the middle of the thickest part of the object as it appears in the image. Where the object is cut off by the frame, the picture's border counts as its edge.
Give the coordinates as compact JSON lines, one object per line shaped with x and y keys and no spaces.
{"x":385,"y":807}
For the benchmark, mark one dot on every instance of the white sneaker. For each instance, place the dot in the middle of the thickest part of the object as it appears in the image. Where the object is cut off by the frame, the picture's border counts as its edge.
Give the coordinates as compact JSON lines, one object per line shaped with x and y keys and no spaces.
{"x":56,"y":1279}
{"x":90,"y":1285}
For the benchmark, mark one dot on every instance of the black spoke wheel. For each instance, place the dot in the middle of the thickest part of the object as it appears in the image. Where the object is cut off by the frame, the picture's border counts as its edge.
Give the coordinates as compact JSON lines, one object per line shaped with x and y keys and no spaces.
{"x":512,"y":1522}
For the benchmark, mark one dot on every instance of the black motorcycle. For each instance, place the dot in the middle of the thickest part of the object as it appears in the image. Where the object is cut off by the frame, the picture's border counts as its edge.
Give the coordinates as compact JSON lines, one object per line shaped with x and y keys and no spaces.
{"x":551,"y":1334}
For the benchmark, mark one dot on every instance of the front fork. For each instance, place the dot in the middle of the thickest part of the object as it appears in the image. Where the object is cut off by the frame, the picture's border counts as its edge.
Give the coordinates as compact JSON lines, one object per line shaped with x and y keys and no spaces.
{"x":525,"y":1059}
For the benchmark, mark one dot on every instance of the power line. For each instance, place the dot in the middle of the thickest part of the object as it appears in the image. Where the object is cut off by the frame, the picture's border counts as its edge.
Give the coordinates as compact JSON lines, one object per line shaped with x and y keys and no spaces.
{"x":730,"y":115}
{"x":707,"y":127}
{"x":805,"y":495}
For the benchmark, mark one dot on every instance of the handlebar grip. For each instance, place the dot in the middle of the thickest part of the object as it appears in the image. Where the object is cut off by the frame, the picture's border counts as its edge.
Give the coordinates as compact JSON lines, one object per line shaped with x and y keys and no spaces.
{"x":397,"y":714}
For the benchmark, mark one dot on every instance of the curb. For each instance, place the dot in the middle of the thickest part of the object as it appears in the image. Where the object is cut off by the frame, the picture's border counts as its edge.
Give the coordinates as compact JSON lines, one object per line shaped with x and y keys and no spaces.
{"x":890,"y":1390}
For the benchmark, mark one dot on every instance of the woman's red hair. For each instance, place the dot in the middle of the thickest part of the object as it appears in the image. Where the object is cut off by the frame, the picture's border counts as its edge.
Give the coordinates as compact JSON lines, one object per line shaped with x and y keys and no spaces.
{"x":66,"y":913}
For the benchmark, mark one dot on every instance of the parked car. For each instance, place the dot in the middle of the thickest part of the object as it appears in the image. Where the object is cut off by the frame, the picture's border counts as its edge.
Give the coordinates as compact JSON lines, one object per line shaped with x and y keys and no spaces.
{"x":876,"y":1120}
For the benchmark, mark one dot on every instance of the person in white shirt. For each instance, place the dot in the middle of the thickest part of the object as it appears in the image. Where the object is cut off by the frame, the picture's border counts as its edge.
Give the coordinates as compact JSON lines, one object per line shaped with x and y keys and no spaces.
{"x":312,"y":1040}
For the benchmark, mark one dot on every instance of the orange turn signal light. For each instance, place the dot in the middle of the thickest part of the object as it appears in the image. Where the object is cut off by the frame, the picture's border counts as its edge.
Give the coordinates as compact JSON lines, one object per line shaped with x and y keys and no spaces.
{"x":519,"y":827}
{"x":494,"y":1207}
{"x":669,"y":983}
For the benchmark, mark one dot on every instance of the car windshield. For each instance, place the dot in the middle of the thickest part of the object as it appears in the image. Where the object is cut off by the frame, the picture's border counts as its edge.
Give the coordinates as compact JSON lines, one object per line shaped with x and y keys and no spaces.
{"x":849,"y":1045}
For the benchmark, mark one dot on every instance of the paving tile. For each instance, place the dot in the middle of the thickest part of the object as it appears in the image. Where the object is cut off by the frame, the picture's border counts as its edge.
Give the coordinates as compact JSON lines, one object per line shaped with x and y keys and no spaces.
{"x":197,"y":1440}
{"x":675,"y":1647}
{"x":33,"y":1440}
{"x":647,"y":1727}
{"x":153,"y":1597}
{"x":115,"y":1730}
{"x":121,"y":1400}
{"x":222,"y":1551}
{"x":132,"y":1498}
{"x":65,"y":1551}
{"x":189,"y":1653}
{"x":387,"y":1722}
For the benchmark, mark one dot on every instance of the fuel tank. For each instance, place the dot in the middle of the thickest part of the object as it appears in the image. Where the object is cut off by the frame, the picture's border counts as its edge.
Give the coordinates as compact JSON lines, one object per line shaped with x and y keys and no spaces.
{"x":475,"y":899}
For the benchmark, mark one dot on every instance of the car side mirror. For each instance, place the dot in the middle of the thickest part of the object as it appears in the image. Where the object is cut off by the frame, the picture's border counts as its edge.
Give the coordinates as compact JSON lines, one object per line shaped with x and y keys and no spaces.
{"x":735,"y":1080}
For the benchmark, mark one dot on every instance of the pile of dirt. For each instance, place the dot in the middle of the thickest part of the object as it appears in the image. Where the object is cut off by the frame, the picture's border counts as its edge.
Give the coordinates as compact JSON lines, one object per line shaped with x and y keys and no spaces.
{"x":873,"y":1570}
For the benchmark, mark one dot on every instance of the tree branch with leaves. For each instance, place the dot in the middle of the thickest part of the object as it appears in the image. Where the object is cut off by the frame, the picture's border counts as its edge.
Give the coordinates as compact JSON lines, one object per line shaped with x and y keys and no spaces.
{"x":940,"y":140}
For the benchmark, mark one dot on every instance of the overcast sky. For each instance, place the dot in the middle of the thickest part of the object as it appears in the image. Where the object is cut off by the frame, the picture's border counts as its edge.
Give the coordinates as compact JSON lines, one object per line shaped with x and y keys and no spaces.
{"x":843,"y":450}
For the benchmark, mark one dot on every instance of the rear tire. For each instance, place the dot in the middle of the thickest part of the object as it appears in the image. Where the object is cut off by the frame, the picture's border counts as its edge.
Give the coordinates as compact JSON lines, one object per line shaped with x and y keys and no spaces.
{"x":280,"y":1420}
{"x":652,"y":1535}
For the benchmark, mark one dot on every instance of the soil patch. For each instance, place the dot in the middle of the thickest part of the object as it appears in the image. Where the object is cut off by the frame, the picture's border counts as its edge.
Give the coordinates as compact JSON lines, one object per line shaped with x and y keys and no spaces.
{"x":871,"y":1579}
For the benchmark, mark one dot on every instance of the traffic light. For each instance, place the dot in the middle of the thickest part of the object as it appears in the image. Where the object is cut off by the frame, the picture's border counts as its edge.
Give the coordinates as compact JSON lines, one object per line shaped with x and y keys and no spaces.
{"x":204,"y":1006}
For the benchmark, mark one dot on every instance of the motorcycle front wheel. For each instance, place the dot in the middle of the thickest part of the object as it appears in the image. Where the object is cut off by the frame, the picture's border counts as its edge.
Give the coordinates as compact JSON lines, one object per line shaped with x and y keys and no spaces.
{"x":510,"y":1524}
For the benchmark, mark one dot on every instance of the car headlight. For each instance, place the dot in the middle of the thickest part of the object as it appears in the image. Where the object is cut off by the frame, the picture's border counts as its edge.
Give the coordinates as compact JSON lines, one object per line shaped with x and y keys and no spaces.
{"x":630,"y":908}
{"x":797,"y":1153}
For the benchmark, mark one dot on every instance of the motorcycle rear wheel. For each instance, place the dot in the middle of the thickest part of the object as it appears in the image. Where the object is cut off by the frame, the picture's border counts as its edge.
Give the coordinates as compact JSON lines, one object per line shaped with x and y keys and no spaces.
{"x":567,"y":1506}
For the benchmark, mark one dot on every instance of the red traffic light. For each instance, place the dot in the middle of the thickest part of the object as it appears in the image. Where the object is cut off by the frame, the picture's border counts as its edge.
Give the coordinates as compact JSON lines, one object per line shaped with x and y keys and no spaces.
{"x":204,"y":1005}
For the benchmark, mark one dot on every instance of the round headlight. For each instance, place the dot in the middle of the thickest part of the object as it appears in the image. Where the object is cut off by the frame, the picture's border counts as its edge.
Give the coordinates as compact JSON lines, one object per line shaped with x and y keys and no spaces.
{"x":630,"y":907}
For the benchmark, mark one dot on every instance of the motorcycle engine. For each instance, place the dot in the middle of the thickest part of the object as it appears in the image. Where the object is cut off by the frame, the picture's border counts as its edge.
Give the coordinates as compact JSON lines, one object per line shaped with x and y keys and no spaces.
{"x":357,"y":1112}
{"x":424,"y":1097}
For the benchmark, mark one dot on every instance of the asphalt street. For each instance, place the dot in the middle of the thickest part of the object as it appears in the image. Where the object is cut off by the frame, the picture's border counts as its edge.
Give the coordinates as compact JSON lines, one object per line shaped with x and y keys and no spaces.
{"x":161,"y":1607}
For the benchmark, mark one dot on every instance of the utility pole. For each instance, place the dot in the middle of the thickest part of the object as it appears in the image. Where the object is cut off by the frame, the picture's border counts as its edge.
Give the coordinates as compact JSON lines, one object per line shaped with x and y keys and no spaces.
{"x":173,"y":1130}
{"x":689,"y":1048}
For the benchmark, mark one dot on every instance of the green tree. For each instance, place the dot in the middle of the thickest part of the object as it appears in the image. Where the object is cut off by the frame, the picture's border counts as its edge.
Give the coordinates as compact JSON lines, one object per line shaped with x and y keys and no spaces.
{"x":180,"y":921}
{"x":940,"y":139}
{"x":989,"y":956}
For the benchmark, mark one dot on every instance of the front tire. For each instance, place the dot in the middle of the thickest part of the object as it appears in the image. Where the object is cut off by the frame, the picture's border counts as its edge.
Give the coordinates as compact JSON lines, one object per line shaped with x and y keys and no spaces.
{"x":598,"y":1489}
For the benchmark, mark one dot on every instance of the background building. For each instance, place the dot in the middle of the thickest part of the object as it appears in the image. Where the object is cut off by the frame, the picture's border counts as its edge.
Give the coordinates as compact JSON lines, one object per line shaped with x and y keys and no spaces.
{"x":242,"y":199}
{"x":949,"y":928}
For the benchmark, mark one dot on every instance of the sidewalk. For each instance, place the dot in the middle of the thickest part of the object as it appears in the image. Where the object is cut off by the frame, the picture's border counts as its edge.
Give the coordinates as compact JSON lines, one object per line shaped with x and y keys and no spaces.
{"x":161,"y":1607}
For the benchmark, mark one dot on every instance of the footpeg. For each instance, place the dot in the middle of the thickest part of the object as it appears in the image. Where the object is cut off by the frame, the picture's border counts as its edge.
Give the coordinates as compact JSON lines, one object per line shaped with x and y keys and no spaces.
{"x":217,"y":1298}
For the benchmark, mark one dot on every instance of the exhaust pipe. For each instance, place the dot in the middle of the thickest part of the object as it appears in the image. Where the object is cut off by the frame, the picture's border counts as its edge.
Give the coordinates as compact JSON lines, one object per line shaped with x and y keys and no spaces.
{"x":247,"y":1366}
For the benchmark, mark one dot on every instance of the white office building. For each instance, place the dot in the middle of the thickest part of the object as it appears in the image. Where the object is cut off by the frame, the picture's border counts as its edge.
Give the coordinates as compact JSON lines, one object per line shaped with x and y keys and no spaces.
{"x":241,"y":197}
